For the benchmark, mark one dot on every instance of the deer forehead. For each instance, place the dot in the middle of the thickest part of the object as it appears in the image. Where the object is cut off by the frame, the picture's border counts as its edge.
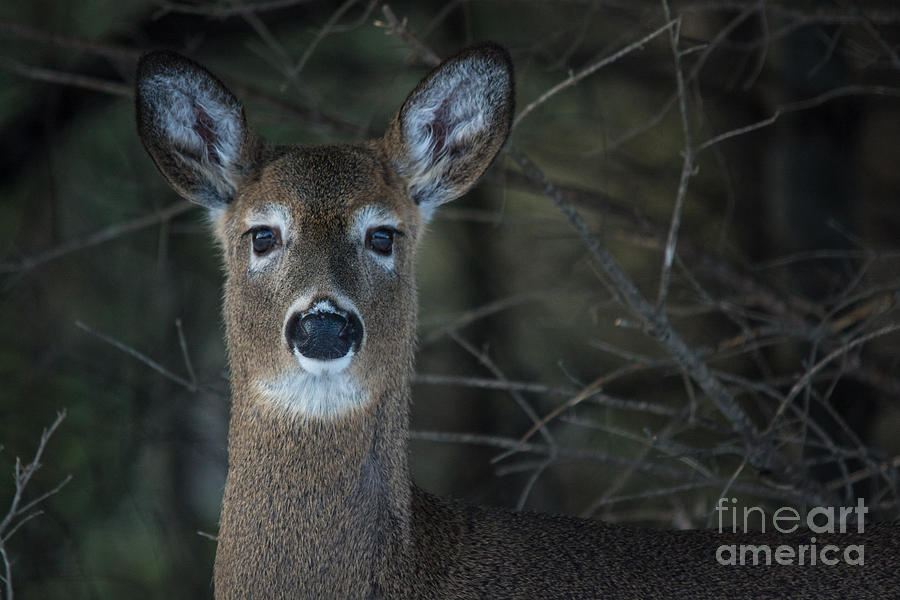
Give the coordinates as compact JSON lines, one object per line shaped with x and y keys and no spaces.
{"x":324,"y":191}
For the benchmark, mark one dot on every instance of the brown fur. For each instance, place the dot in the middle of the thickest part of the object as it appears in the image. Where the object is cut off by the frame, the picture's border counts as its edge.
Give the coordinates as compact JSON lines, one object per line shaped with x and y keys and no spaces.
{"x":324,"y":508}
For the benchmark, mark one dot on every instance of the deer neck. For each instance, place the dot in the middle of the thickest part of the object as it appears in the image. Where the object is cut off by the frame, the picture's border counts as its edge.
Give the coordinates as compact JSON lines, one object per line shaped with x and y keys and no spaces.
{"x":314,"y":508}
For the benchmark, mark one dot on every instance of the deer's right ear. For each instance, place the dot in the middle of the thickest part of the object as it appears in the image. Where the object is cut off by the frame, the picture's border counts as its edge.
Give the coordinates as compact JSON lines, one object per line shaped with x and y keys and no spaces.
{"x":452,"y":125}
{"x":193,"y":128}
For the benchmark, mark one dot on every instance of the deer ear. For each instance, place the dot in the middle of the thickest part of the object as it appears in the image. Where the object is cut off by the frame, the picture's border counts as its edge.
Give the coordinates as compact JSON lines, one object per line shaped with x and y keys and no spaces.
{"x":452,"y":125}
{"x":193,"y":128}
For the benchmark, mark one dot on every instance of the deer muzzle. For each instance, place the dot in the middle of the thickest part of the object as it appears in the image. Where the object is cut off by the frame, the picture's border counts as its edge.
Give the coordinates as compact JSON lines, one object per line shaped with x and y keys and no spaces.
{"x":324,"y":332}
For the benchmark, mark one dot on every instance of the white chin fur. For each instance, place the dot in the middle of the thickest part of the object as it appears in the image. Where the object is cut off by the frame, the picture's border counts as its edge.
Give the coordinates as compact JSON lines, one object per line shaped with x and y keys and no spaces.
{"x":324,"y":367}
{"x":321,"y":396}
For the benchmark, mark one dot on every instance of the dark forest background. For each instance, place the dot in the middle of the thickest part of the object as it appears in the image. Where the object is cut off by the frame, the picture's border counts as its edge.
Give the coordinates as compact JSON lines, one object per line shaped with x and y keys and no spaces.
{"x":678,"y":283}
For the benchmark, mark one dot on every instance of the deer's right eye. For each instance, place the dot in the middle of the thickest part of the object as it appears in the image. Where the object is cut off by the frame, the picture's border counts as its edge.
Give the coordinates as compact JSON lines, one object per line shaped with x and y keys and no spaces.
{"x":263,"y":239}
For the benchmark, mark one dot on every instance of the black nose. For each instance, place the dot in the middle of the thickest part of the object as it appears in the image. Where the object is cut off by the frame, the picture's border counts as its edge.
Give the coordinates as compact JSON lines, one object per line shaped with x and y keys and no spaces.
{"x":323,"y":335}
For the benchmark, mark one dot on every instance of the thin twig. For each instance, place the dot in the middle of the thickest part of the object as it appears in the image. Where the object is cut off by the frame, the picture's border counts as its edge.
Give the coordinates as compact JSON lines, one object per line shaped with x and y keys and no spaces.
{"x":46,"y":495}
{"x":591,"y":390}
{"x":596,"y":397}
{"x":532,"y":481}
{"x":565,"y":453}
{"x":522,"y":403}
{"x":394,"y":26}
{"x":24,"y":473}
{"x":321,"y":34}
{"x":12,"y":531}
{"x":869,"y":26}
{"x":185,"y":354}
{"x":764,"y":48}
{"x":720,"y":37}
{"x":69,"y":42}
{"x":139,"y":356}
{"x":265,"y":34}
{"x":98,"y":237}
{"x":687,"y":166}
{"x":69,"y":79}
{"x":491,"y":308}
{"x":885,"y":467}
{"x":224,"y":11}
{"x":783,"y":109}
{"x":804,"y":14}
{"x":606,"y":501}
{"x":576,"y":77}
{"x":814,"y":370}
{"x":362,"y":20}
{"x":660,"y":441}
{"x":18,"y":515}
{"x":7,"y":569}
{"x":282,"y":59}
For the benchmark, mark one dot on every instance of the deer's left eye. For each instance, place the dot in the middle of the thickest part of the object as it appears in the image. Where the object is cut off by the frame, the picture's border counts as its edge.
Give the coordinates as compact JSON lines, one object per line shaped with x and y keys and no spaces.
{"x":263,"y":239}
{"x":380,"y":240}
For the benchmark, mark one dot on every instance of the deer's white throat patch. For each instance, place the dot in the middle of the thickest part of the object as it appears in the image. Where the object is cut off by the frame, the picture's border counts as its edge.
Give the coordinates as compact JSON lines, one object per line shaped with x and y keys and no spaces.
{"x":302,"y":393}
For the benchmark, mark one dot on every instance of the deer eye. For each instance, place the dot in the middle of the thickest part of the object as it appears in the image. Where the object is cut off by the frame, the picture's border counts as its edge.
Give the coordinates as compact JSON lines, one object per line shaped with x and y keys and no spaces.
{"x":380,"y":240}
{"x":263,"y":239}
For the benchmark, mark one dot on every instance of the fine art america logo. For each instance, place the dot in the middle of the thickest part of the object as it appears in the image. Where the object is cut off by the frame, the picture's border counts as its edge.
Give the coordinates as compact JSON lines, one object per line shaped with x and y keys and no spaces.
{"x":786,"y":520}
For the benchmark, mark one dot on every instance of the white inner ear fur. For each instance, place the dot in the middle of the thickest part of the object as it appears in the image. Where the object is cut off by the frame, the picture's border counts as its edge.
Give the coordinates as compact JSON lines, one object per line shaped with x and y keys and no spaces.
{"x":462,"y":99}
{"x":189,"y":102}
{"x":366,"y":218}
{"x":277,"y":217}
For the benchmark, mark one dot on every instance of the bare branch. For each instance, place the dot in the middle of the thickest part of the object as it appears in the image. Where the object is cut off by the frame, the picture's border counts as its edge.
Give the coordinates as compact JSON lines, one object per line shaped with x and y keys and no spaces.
{"x":522,"y":403}
{"x":591,"y":390}
{"x":19,"y":514}
{"x":869,"y":26}
{"x":6,"y":578}
{"x":220,"y":11}
{"x":99,"y":237}
{"x":320,"y":35}
{"x":692,"y":75}
{"x":687,"y":166}
{"x":69,"y":79}
{"x":139,"y":356}
{"x":185,"y":354}
{"x":576,"y":77}
{"x":812,"y":371}
{"x":564,"y":453}
{"x":112,"y":52}
{"x":842,"y":92}
{"x":607,"y":501}
{"x":484,"y":311}
{"x":24,"y":473}
{"x":393,"y":26}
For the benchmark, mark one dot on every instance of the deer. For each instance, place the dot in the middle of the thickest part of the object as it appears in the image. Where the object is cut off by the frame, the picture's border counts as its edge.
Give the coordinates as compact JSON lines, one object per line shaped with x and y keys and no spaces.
{"x":319,"y":245}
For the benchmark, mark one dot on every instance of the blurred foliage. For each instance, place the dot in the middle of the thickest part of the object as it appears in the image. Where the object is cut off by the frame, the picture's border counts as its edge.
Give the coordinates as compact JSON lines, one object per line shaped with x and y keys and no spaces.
{"x":819,"y":184}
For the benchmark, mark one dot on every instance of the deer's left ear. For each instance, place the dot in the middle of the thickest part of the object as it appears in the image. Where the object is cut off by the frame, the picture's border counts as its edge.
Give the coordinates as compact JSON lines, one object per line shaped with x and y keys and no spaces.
{"x":193,"y":128}
{"x":452,"y":125}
